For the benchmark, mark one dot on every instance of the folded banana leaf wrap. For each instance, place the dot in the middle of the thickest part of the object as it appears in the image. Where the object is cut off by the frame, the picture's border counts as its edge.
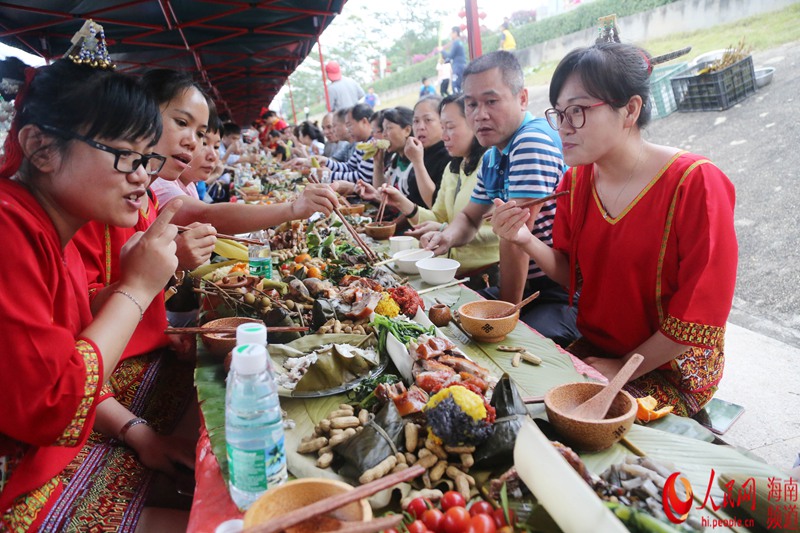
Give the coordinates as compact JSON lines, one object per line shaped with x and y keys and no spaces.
{"x":498,"y":449}
{"x":380,"y":438}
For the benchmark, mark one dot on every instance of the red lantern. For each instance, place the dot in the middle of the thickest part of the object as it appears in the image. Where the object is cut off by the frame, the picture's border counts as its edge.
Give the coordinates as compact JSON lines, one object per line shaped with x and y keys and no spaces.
{"x":481,"y":15}
{"x":462,"y":13}
{"x":463,"y":27}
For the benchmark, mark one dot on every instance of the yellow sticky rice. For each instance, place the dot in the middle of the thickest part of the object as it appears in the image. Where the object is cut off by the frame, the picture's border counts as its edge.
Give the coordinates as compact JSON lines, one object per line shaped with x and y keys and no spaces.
{"x":387,"y":306}
{"x":470,"y":403}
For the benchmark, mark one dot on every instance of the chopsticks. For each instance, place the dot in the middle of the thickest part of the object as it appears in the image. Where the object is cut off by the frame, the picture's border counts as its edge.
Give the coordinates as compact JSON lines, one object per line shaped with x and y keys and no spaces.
{"x":292,"y":518}
{"x":382,"y":208}
{"x":270,"y":329}
{"x":531,"y":203}
{"x":244,"y":240}
{"x":371,"y":255}
{"x":444,"y":286}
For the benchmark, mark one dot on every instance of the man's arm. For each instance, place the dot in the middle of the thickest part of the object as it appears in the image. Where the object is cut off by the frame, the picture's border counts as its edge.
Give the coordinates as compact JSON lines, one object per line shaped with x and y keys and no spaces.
{"x":459,"y":232}
{"x":514,"y":261}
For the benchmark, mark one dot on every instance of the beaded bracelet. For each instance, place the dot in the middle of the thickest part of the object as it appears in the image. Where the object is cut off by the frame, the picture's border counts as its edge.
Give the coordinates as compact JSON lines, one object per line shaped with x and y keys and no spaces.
{"x":128,"y":425}
{"x":130,"y":297}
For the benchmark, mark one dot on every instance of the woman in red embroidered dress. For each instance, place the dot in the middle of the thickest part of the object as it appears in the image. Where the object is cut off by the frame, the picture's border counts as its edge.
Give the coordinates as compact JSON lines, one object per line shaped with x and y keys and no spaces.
{"x":646,"y":233}
{"x":74,"y":154}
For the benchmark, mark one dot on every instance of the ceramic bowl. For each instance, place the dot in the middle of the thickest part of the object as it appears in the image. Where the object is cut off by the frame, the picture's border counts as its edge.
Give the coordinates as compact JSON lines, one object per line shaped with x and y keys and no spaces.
{"x":437,"y":270}
{"x":354,"y":209}
{"x":406,"y":261}
{"x":220,"y":344}
{"x":300,"y":493}
{"x":473,"y":317}
{"x":380,"y":232}
{"x":584,"y":434}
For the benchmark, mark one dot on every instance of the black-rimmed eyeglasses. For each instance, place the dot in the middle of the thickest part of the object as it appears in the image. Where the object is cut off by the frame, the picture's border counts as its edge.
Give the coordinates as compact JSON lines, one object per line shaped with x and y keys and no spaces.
{"x":575,"y":115}
{"x":125,"y":161}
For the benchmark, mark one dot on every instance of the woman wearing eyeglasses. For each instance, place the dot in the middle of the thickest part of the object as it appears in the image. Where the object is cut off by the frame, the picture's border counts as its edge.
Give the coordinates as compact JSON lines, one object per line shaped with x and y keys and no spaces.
{"x":646,"y":233}
{"x":79,"y":150}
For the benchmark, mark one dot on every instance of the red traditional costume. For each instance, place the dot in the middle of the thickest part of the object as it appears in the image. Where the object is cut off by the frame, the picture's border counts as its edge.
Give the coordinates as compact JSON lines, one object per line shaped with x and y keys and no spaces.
{"x":50,"y":378}
{"x":107,"y":484}
{"x":100,"y":245}
{"x":667,"y":263}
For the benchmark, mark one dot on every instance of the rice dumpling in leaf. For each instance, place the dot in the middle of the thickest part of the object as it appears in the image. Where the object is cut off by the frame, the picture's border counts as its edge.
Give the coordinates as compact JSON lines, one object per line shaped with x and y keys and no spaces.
{"x":381,"y":437}
{"x":498,"y":449}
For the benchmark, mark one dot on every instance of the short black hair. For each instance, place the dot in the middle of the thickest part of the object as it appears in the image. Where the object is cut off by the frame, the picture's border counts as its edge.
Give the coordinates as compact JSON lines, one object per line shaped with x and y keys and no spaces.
{"x":361,"y":111}
{"x":505,"y":62}
{"x":611,"y":72}
{"x":230,"y":128}
{"x":166,"y":84}
{"x":456,"y":30}
{"x":341,"y":114}
{"x":400,"y":115}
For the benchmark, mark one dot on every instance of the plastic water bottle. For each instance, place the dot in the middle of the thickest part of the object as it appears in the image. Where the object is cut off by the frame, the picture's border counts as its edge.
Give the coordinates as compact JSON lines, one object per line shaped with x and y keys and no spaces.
{"x":260,"y":255}
{"x":254,"y":333}
{"x":253,"y":427}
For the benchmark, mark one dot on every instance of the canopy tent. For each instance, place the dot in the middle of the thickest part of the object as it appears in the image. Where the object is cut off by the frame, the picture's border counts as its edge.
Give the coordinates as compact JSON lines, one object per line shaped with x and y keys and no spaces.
{"x":242,"y":51}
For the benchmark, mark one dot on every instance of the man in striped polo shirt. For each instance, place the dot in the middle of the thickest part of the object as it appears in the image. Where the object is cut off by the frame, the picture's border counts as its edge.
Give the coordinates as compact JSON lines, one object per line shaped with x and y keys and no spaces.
{"x":524,"y":160}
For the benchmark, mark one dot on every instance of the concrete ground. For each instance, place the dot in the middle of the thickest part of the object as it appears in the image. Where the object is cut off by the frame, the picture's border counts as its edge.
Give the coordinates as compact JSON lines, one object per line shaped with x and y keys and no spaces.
{"x":757,"y":144}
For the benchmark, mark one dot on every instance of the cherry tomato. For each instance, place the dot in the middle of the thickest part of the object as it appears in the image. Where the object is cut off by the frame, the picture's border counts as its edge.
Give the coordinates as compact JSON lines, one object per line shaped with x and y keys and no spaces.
{"x":481,"y":507}
{"x":500,"y":518}
{"x":456,"y":520}
{"x":391,"y":530}
{"x":417,"y":506}
{"x":433,"y":519}
{"x":417,"y":526}
{"x":483,"y":523}
{"x":452,"y":498}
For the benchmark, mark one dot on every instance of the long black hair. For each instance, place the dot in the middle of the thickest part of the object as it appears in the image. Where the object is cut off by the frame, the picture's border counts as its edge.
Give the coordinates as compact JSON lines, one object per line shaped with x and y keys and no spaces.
{"x":310,"y":130}
{"x":166,"y":84}
{"x":476,"y":151}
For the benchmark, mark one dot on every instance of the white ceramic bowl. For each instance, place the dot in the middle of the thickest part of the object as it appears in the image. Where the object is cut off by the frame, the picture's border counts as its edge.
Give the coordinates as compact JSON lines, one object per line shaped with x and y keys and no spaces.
{"x":405,"y":260}
{"x":437,"y":270}
{"x":402,"y":242}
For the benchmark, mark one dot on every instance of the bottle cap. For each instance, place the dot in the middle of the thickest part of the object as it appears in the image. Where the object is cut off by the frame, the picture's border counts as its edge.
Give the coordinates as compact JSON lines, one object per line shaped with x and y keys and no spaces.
{"x":251,"y":333}
{"x":249,"y":359}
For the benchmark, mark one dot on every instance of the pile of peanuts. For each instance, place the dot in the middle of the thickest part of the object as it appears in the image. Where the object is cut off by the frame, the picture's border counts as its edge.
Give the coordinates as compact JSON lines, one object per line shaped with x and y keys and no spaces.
{"x":442,"y":463}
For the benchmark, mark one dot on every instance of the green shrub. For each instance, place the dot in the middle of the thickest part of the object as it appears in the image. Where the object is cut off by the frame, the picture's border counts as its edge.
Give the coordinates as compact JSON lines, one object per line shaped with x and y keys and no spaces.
{"x":583,"y":17}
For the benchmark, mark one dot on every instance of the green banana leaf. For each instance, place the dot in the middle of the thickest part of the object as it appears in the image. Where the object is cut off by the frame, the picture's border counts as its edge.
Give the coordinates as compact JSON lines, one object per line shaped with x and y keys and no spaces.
{"x":335,"y":370}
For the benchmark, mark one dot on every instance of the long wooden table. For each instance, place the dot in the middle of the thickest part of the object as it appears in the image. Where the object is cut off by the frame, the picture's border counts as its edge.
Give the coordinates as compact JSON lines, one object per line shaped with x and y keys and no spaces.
{"x":692,"y":452}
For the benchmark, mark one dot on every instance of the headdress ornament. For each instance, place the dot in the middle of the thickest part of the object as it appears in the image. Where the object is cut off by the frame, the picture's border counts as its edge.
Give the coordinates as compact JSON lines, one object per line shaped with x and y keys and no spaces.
{"x":89,"y":47}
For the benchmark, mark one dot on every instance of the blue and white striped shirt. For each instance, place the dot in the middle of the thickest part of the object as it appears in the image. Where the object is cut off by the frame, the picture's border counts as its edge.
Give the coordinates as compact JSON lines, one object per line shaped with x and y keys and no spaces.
{"x":354,"y":169}
{"x":530,"y":166}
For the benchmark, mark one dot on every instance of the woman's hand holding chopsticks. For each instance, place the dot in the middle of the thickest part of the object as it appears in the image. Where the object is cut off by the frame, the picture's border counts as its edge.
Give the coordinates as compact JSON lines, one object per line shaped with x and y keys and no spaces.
{"x":194,"y":245}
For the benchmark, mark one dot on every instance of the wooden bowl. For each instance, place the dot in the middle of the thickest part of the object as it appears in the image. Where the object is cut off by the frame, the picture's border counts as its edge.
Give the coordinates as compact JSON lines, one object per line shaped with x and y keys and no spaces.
{"x":473,"y":320}
{"x":354,"y":209}
{"x":583,"y":434}
{"x":302,"y":492}
{"x":220,"y":344}
{"x":380,"y":232}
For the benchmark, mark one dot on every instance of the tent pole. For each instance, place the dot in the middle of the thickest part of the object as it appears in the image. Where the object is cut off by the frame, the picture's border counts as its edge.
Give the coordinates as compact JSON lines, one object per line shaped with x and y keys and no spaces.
{"x":473,"y":29}
{"x":291,"y":99}
{"x":322,"y":70}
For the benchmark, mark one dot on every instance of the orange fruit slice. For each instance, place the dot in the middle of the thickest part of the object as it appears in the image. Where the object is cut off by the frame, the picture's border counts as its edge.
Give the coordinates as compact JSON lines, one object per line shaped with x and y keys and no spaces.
{"x":647,"y":411}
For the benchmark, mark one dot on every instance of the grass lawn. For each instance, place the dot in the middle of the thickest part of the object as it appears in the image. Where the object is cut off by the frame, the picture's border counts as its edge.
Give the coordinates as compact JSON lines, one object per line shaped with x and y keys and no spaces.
{"x":760,"y":32}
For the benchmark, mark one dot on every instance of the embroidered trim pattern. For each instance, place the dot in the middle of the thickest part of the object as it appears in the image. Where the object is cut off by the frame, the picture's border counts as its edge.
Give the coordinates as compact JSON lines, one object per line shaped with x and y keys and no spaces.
{"x":692,"y":333}
{"x":108,"y":255}
{"x":23,"y":513}
{"x":665,"y":237}
{"x":72,"y":434}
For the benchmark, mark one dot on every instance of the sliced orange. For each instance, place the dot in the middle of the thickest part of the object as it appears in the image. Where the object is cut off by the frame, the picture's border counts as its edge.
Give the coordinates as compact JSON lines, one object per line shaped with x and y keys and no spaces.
{"x":302,"y":258}
{"x":647,"y":411}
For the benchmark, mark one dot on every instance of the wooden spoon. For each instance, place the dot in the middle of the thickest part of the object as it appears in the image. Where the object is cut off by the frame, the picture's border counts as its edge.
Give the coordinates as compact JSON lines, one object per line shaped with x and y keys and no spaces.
{"x":596,"y":407}
{"x":511,"y":311}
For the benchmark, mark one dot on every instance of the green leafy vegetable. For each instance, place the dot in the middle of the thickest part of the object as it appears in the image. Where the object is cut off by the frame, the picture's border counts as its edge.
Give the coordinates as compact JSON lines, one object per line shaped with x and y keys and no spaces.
{"x":364,"y":394}
{"x":403,"y":329}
